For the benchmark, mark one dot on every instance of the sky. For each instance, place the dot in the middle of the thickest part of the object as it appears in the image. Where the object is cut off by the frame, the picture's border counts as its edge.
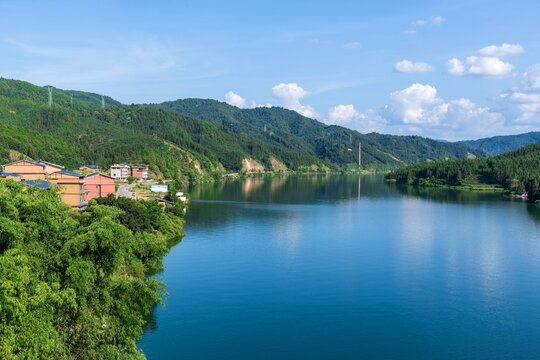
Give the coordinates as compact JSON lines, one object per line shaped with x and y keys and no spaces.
{"x":448,"y":70}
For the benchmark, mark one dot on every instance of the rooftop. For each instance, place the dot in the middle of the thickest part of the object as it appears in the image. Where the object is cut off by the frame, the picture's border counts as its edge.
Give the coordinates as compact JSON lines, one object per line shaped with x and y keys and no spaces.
{"x":26,"y":160}
{"x":50,"y":163}
{"x":9,"y":174}
{"x":69,"y":173}
{"x":40,"y":184}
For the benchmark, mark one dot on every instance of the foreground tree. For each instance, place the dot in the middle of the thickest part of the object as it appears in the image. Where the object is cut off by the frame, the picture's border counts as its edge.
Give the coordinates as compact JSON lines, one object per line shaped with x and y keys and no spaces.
{"x":78,"y":285}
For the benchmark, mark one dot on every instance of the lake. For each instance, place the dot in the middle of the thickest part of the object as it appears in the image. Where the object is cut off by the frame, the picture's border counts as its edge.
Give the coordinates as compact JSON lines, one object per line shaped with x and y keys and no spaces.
{"x":349,"y":267}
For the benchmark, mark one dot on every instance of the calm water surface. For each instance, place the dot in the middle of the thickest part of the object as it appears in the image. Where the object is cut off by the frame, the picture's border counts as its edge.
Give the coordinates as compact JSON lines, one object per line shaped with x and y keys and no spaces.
{"x":345,"y":268}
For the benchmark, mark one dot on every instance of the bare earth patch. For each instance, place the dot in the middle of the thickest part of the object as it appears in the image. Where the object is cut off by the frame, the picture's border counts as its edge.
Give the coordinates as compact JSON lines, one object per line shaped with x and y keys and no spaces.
{"x":277,"y":166}
{"x":250,"y":165}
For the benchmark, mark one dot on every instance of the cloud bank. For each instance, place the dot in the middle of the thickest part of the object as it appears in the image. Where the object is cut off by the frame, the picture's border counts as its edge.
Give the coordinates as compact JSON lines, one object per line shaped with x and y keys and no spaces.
{"x":289,"y":95}
{"x":406,"y":66}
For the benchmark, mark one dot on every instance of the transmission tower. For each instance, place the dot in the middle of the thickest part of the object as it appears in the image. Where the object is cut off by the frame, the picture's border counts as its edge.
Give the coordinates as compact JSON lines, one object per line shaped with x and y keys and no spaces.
{"x":102,"y":101}
{"x":50,"y":96}
{"x":359,"y":155}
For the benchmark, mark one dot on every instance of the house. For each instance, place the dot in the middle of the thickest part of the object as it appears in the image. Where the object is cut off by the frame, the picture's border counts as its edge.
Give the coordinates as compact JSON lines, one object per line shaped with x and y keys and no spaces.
{"x":180,"y":194}
{"x":90,"y":167}
{"x":28,"y":169}
{"x":72,"y":187}
{"x":523,"y":195}
{"x":139,"y":171}
{"x":98,"y":185}
{"x":120,"y":171}
{"x":5,"y":175}
{"x":50,"y":167}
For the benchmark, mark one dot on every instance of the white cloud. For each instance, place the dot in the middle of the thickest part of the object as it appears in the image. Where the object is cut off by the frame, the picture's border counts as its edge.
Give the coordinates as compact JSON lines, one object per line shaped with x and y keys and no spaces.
{"x":531,"y":78}
{"x":255,"y":105}
{"x":234,"y":99}
{"x":437,"y":20}
{"x":352,"y":45}
{"x":290,"y":95}
{"x":522,"y":104}
{"x":503,"y":50}
{"x":417,"y":104}
{"x":406,"y":66}
{"x":434,"y":20}
{"x":342,"y":115}
{"x":417,"y":109}
{"x":478,"y":65}
{"x":409,"y":32}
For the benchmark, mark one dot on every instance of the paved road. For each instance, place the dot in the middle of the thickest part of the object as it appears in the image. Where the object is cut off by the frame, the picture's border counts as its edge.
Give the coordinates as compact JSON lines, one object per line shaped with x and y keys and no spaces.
{"x":125,"y":191}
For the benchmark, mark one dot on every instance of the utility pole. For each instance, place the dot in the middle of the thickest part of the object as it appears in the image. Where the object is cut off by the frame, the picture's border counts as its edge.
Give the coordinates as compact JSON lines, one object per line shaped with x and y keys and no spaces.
{"x":359,"y":155}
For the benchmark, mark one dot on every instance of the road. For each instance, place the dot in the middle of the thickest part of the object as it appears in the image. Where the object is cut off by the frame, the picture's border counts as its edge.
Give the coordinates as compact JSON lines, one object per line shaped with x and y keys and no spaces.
{"x":125,"y":191}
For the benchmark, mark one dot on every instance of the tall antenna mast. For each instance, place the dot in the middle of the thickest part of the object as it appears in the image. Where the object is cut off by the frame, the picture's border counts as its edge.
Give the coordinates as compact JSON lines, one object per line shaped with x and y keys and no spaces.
{"x":350,"y":138}
{"x":102,"y":101}
{"x":50,"y":96}
{"x":359,"y":155}
{"x":71,"y":99}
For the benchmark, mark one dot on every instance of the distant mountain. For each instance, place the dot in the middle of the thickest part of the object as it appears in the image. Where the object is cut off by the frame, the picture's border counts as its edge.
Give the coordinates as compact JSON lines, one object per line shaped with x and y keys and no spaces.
{"x":499,"y":144}
{"x":330,"y":143}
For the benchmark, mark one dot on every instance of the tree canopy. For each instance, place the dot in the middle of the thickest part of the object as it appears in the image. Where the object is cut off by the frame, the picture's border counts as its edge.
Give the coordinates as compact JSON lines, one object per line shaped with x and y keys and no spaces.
{"x":78,"y":285}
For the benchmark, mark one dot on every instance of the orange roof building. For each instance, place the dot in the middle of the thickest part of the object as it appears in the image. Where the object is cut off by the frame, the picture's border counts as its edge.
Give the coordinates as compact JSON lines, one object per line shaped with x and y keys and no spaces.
{"x":28,"y":169}
{"x":98,"y":185}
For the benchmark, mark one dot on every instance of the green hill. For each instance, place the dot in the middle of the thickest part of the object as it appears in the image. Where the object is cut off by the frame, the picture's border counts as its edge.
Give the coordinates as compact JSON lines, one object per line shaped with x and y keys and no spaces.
{"x":171,"y":143}
{"x":91,"y":99}
{"x":175,"y":145}
{"x":329,"y":143}
{"x":500,"y":144}
{"x":518,"y":170}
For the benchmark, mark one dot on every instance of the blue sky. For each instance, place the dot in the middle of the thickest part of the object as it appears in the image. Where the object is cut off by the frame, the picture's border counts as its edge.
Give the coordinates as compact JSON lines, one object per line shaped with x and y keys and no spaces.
{"x":448,"y":69}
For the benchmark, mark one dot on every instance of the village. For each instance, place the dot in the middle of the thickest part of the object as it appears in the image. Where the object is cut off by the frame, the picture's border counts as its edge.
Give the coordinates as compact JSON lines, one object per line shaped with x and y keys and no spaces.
{"x":78,"y":188}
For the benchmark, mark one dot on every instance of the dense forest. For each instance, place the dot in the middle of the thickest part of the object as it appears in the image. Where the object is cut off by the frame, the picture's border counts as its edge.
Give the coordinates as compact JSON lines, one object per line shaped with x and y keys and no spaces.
{"x":330,"y":143}
{"x":78,"y":284}
{"x":172,"y":144}
{"x":500,"y":144}
{"x":515,"y":171}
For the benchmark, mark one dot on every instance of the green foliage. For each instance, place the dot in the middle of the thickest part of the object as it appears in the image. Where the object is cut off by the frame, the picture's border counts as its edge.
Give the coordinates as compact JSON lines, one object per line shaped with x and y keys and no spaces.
{"x":131,"y":179}
{"x":518,"y":170}
{"x":500,"y":144}
{"x":177,"y":146}
{"x":330,"y":144}
{"x":78,"y":285}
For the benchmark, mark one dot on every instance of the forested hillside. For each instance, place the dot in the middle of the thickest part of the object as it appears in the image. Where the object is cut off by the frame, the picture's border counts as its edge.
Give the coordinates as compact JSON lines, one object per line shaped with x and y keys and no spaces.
{"x":176,"y":145}
{"x":328,"y":142}
{"x":518,"y":170}
{"x":92,"y":99}
{"x":499,"y":144}
{"x":171,"y":143}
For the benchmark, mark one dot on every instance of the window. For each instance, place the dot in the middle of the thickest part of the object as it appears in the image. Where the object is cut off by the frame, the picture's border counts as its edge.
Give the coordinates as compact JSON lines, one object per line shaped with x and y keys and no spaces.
{"x":80,"y":187}
{"x":80,"y":198}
